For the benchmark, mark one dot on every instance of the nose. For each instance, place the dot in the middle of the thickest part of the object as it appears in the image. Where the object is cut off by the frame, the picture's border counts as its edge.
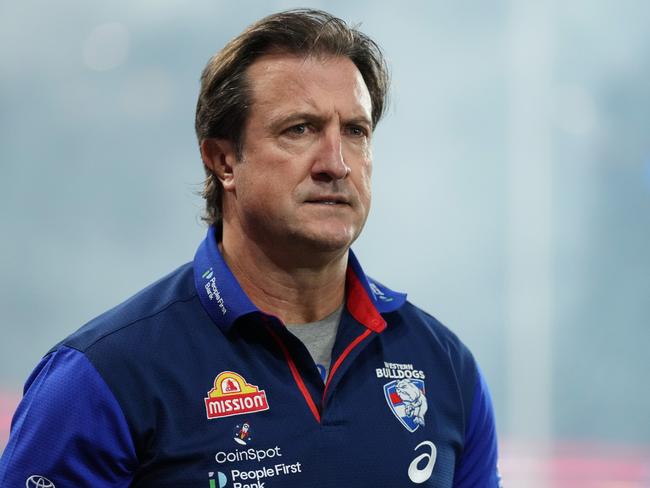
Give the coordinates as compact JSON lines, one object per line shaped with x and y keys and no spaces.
{"x":329,"y":163}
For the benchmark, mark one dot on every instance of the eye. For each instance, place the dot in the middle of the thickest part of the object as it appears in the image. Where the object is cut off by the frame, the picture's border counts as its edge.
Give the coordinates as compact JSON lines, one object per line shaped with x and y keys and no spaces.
{"x":297,"y":130}
{"x":356,"y":131}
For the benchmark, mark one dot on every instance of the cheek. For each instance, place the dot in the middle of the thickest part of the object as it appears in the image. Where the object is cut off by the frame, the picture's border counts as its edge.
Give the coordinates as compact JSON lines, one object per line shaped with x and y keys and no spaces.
{"x":365,"y":177}
{"x":366,"y":161}
{"x":258,"y":174}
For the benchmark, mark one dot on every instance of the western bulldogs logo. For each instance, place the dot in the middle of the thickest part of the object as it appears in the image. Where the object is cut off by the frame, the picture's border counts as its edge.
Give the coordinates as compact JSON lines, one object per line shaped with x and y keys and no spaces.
{"x":407,"y":401}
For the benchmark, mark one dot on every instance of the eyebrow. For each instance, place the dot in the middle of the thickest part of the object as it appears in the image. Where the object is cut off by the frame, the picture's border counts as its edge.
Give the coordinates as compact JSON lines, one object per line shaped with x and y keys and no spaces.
{"x":287,"y":120}
{"x":361,"y":120}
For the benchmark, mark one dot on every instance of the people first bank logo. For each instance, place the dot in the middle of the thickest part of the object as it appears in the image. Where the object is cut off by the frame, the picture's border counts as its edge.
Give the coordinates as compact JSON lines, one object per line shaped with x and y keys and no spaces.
{"x":232,"y":395}
{"x":212,"y":290}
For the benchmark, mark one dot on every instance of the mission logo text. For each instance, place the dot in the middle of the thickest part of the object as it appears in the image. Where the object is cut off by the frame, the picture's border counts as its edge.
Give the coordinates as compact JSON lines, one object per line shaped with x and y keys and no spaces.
{"x":232,"y":395}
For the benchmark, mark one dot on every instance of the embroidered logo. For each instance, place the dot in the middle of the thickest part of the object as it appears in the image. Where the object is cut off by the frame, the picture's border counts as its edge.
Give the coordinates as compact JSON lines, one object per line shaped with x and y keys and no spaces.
{"x":397,"y":371}
{"x":221,"y":478}
{"x":406,"y":399}
{"x":420,"y":474}
{"x":378,"y":294}
{"x":38,"y":481}
{"x":231,"y":395}
{"x":243,"y":433}
{"x":212,"y":290}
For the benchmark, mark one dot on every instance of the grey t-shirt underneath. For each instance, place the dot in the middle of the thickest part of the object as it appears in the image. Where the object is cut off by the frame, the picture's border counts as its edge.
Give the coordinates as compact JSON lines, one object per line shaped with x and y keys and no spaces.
{"x":318,"y":338}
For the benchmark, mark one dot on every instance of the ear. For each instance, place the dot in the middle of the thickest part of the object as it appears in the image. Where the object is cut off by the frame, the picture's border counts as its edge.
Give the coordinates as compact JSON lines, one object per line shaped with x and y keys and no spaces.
{"x":219,"y":156}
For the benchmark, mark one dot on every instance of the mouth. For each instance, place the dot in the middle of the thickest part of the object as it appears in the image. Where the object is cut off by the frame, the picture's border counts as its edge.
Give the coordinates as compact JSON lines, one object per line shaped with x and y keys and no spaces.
{"x":328,"y":200}
{"x":325,"y":202}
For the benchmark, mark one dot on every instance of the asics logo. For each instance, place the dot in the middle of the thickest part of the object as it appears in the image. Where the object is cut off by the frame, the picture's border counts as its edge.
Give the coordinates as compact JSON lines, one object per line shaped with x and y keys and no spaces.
{"x":420,"y":475}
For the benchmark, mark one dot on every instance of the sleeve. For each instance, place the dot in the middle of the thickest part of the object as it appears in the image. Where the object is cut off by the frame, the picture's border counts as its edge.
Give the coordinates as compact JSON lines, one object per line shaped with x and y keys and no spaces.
{"x":68,"y":429}
{"x":478,"y":463}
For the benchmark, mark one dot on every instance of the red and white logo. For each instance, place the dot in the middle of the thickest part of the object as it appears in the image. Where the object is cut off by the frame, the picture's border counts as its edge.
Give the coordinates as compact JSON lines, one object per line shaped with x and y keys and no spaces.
{"x":231,"y":395}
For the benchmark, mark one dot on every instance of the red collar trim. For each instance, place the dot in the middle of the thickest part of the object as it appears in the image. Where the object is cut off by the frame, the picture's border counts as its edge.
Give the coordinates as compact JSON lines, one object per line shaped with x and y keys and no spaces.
{"x":360,"y":305}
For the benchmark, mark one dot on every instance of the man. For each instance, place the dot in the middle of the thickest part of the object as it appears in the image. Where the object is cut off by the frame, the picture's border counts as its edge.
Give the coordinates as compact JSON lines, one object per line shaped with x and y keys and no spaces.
{"x":274,"y":324}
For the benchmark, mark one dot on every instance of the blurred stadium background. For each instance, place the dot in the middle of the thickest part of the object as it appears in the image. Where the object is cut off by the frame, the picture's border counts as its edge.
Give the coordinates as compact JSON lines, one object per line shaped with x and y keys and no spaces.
{"x":511,"y":197}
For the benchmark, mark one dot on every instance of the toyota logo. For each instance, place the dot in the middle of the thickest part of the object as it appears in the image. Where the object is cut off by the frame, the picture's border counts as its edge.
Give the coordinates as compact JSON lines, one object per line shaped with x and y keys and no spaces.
{"x":37,"y":481}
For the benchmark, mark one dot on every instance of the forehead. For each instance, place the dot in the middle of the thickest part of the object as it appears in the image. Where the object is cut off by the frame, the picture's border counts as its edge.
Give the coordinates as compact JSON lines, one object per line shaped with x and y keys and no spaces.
{"x":283,"y":83}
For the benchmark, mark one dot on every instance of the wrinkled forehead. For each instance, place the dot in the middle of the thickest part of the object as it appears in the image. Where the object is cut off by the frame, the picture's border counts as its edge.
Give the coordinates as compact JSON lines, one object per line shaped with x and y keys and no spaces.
{"x":281,"y":82}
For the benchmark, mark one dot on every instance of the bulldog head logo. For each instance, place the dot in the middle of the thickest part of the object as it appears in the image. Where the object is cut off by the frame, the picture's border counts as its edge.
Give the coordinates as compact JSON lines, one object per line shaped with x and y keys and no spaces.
{"x":407,"y":400}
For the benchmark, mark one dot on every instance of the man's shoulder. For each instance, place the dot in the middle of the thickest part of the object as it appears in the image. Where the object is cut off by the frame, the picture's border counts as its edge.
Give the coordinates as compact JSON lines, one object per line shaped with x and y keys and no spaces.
{"x":431,"y":323}
{"x":389,"y":301}
{"x":427,"y":337}
{"x":400,"y":312}
{"x":150,"y":306}
{"x":423,"y":326}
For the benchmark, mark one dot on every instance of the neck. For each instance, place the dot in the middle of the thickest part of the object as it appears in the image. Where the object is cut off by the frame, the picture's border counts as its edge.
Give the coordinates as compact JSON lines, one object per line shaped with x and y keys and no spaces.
{"x":297,"y":287}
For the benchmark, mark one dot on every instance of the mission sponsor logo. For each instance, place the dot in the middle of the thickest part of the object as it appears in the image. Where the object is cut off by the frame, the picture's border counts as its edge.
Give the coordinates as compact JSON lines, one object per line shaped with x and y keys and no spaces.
{"x":397,"y":371}
{"x":232,"y":395}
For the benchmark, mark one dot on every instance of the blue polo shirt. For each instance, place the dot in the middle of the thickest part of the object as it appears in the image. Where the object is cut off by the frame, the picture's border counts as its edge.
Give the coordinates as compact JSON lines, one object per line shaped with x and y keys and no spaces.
{"x":189,"y":384}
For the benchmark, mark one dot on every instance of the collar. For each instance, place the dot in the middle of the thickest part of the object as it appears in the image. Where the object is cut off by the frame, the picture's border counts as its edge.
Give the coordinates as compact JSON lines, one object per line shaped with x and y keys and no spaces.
{"x":225,"y":300}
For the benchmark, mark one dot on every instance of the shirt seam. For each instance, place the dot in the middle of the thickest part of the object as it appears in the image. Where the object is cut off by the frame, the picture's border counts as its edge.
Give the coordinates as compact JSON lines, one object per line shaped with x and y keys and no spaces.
{"x":47,"y":367}
{"x":129,"y":324}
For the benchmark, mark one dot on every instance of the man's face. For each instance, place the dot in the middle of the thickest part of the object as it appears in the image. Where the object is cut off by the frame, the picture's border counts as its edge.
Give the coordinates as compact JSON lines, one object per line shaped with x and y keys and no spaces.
{"x":305,"y":173}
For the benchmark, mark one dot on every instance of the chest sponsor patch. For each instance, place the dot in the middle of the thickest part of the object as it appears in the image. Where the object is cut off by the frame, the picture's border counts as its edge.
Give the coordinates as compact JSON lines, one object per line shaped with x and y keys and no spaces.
{"x":243,"y":433}
{"x":232,"y":395}
{"x":407,"y":400}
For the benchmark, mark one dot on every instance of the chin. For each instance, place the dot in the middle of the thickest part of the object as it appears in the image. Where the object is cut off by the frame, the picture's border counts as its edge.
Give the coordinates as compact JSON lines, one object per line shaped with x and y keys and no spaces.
{"x":326,"y":240}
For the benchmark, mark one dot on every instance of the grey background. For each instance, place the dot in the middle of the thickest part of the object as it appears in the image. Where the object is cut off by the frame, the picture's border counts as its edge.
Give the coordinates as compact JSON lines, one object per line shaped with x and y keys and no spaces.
{"x":511,"y":183}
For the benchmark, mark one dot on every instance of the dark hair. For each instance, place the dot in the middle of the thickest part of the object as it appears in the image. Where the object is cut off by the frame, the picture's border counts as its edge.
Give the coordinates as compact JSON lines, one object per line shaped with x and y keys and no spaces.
{"x":224,"y":99}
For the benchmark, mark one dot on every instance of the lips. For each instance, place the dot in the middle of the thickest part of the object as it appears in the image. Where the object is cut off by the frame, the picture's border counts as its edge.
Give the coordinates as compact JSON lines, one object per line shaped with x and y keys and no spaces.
{"x":328,"y":200}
